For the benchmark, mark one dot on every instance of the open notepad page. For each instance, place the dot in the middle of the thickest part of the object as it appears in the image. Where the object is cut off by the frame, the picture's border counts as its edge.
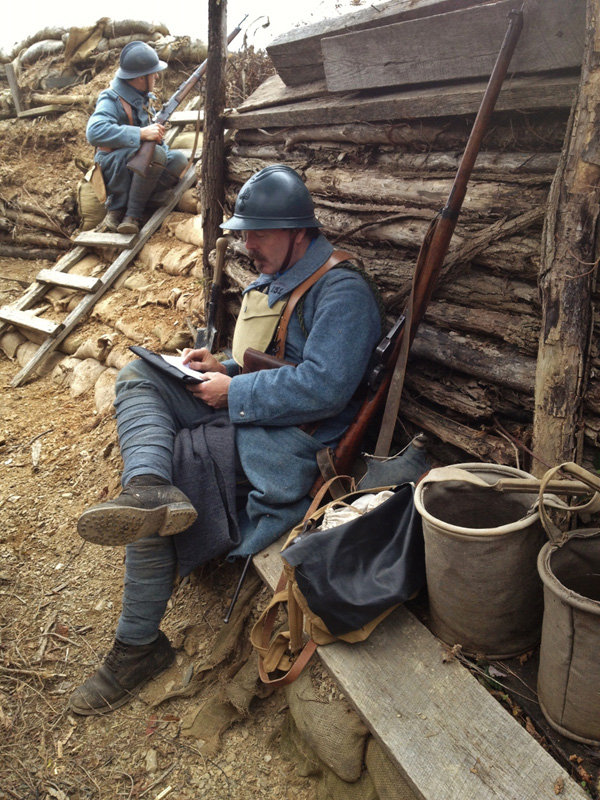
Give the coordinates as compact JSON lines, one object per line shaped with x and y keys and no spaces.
{"x":177,"y":361}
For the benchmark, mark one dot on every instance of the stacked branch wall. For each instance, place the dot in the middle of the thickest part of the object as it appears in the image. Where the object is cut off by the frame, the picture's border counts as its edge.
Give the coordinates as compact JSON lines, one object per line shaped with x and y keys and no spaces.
{"x":376,"y":187}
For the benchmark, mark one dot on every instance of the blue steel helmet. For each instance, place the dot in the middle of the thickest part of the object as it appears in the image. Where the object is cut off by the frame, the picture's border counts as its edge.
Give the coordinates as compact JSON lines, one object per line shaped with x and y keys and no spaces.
{"x":275,"y":197}
{"x":138,"y":59}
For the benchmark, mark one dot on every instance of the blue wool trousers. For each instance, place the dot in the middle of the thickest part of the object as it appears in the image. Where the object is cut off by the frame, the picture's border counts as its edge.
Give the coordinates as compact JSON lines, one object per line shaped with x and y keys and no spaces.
{"x":151,"y":409}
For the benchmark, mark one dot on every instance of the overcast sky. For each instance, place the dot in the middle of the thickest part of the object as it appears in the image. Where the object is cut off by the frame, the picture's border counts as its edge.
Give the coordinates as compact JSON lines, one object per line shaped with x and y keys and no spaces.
{"x":182,"y":18}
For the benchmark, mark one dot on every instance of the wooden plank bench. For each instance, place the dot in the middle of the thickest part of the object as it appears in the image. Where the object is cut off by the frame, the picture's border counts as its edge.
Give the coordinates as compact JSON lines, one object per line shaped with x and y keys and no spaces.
{"x":443,"y":730}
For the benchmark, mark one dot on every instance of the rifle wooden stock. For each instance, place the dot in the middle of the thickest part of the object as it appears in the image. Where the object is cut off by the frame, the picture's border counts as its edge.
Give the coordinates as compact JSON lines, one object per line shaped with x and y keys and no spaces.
{"x":427,"y":269}
{"x":142,"y":158}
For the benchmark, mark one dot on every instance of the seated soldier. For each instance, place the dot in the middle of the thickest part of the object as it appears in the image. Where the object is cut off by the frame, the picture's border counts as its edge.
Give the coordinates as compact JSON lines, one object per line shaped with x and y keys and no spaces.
{"x":121,"y":121}
{"x":276,"y":420}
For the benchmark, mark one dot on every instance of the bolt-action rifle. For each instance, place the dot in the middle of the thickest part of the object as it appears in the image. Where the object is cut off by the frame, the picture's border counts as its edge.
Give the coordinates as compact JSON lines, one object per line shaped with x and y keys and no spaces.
{"x":386,"y":372}
{"x":141,"y":160}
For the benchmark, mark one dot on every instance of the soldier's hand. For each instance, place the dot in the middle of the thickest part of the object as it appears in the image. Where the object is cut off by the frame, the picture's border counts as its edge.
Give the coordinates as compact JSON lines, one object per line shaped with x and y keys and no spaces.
{"x":201,"y":360}
{"x":153,"y":133}
{"x":214,"y":390}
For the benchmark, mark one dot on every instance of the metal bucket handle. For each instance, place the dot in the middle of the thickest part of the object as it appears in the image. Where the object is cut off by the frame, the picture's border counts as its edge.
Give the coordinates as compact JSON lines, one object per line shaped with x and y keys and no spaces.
{"x":587,"y":480}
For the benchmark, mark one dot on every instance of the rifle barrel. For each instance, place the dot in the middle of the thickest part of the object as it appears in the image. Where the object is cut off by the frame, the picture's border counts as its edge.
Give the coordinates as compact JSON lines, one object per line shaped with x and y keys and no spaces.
{"x":429,"y":262}
{"x":140,"y":161}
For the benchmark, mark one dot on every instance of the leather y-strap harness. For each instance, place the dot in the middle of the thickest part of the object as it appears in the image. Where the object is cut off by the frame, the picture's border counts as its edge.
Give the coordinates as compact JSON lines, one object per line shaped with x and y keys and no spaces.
{"x":281,"y":333}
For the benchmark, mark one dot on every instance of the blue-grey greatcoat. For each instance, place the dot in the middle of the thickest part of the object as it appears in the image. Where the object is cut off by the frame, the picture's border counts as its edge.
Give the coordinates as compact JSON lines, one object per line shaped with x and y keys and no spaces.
{"x":342,"y":325}
{"x":109,"y":127}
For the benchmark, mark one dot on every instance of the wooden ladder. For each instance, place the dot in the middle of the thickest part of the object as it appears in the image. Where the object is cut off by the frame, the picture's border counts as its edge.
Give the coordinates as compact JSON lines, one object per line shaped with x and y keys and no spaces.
{"x":19,"y":315}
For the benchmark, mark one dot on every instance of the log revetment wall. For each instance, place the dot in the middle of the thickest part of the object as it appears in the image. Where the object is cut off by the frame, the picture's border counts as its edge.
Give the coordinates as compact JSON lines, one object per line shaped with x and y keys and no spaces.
{"x":379,"y":163}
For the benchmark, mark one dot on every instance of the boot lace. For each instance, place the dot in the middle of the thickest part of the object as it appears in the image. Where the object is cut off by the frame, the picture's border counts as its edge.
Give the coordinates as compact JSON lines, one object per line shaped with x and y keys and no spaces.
{"x":114,"y":658}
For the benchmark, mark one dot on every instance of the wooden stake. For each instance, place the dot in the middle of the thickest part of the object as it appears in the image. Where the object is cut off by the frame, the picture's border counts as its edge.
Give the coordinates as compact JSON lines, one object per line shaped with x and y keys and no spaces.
{"x":567,"y":273}
{"x":14,"y":88}
{"x":213,"y":150}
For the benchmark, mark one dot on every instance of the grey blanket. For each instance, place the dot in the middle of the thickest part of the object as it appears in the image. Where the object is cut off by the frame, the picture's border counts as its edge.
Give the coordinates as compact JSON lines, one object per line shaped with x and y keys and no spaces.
{"x":204,"y":468}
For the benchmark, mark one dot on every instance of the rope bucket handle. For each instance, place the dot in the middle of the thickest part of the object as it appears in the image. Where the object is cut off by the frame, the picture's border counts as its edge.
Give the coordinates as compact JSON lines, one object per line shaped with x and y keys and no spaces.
{"x":587,"y":482}
{"x":546,"y":489}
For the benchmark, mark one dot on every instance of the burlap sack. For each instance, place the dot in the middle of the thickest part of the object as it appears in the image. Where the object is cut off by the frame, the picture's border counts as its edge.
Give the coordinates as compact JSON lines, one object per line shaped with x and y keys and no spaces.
{"x":389,"y":783}
{"x":331,"y":729}
{"x":91,"y":210}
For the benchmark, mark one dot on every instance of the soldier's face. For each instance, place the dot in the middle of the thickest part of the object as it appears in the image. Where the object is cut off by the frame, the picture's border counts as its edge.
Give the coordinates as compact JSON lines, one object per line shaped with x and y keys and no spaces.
{"x":270,"y":249}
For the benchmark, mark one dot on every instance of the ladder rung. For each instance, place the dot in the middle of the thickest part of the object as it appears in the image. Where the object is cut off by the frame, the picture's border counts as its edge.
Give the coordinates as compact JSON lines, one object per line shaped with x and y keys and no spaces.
{"x":185,"y":117}
{"x":69,"y":280}
{"x":96,"y":239}
{"x":25,"y":319}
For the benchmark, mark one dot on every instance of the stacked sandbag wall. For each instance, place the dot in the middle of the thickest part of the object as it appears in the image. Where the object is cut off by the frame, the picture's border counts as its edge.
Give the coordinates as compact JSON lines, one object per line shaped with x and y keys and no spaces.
{"x":331,"y":746}
{"x":167,"y":275}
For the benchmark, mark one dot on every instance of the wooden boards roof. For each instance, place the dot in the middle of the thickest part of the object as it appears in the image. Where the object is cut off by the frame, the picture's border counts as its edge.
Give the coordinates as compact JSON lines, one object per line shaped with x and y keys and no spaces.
{"x":297,"y":55}
{"x":405,"y":60}
{"x":456,"y":46}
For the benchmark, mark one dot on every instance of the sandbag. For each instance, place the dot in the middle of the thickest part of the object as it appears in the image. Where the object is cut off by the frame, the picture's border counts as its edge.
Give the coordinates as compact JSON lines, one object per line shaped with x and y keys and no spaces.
{"x":389,"y":783}
{"x":44,"y":34}
{"x":62,"y":374}
{"x":85,"y":375}
{"x":47,"y":47}
{"x":11,"y":341}
{"x":190,"y":231}
{"x":331,"y":729}
{"x":104,"y":391}
{"x":91,"y":210}
{"x":98,"y":347}
{"x":83,"y":41}
{"x":113,"y":28}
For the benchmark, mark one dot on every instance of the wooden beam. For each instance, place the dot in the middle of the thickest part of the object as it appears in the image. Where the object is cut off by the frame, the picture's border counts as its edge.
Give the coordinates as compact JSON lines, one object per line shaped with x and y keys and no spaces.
{"x":14,"y":87}
{"x":524,"y":94}
{"x":39,"y":111}
{"x":274,"y":92}
{"x":487,"y":361}
{"x":457,"y":46}
{"x":570,"y":252}
{"x":37,"y":290}
{"x":441,"y":728}
{"x":212,"y":175}
{"x":186,"y":117}
{"x":297,"y":54}
{"x":106,"y":239}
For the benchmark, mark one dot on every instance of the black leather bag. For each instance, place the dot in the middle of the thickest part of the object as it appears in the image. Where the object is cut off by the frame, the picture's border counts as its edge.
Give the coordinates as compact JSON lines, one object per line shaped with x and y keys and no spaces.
{"x":354,"y":572}
{"x":340,"y":582}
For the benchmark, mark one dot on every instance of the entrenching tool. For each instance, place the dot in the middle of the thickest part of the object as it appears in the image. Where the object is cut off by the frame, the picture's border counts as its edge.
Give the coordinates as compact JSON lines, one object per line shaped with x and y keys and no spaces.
{"x":205,"y":337}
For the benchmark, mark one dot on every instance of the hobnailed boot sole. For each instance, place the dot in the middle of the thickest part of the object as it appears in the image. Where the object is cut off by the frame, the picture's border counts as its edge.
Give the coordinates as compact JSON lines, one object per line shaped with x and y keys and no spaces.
{"x":119,"y":525}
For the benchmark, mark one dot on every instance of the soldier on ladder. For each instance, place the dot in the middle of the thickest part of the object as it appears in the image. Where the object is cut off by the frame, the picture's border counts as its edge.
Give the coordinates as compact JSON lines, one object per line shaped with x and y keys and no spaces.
{"x":121,"y":121}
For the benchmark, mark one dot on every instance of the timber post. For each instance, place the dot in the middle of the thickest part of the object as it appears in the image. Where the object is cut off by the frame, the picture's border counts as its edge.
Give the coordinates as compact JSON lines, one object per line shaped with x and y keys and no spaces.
{"x":213,"y":147}
{"x":567,"y":272}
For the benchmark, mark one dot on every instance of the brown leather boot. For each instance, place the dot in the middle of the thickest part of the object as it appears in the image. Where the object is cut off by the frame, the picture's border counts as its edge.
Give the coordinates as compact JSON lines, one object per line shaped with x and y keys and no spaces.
{"x":130,"y":225}
{"x":147,"y":505}
{"x":112,"y":220}
{"x":125,"y":670}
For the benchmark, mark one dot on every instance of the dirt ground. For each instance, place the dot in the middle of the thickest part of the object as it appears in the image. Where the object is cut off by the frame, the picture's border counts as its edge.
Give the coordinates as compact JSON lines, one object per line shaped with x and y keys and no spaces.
{"x":59,"y":604}
{"x":60,"y":596}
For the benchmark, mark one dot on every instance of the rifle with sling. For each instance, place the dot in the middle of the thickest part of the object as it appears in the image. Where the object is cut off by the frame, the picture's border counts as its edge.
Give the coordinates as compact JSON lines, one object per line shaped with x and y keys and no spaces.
{"x":387,"y":369}
{"x":141,"y":160}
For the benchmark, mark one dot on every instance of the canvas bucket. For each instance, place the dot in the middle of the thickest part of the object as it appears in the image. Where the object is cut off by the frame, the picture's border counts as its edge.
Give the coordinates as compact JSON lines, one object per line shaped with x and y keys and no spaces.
{"x":481,"y":549}
{"x":569,"y":670}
